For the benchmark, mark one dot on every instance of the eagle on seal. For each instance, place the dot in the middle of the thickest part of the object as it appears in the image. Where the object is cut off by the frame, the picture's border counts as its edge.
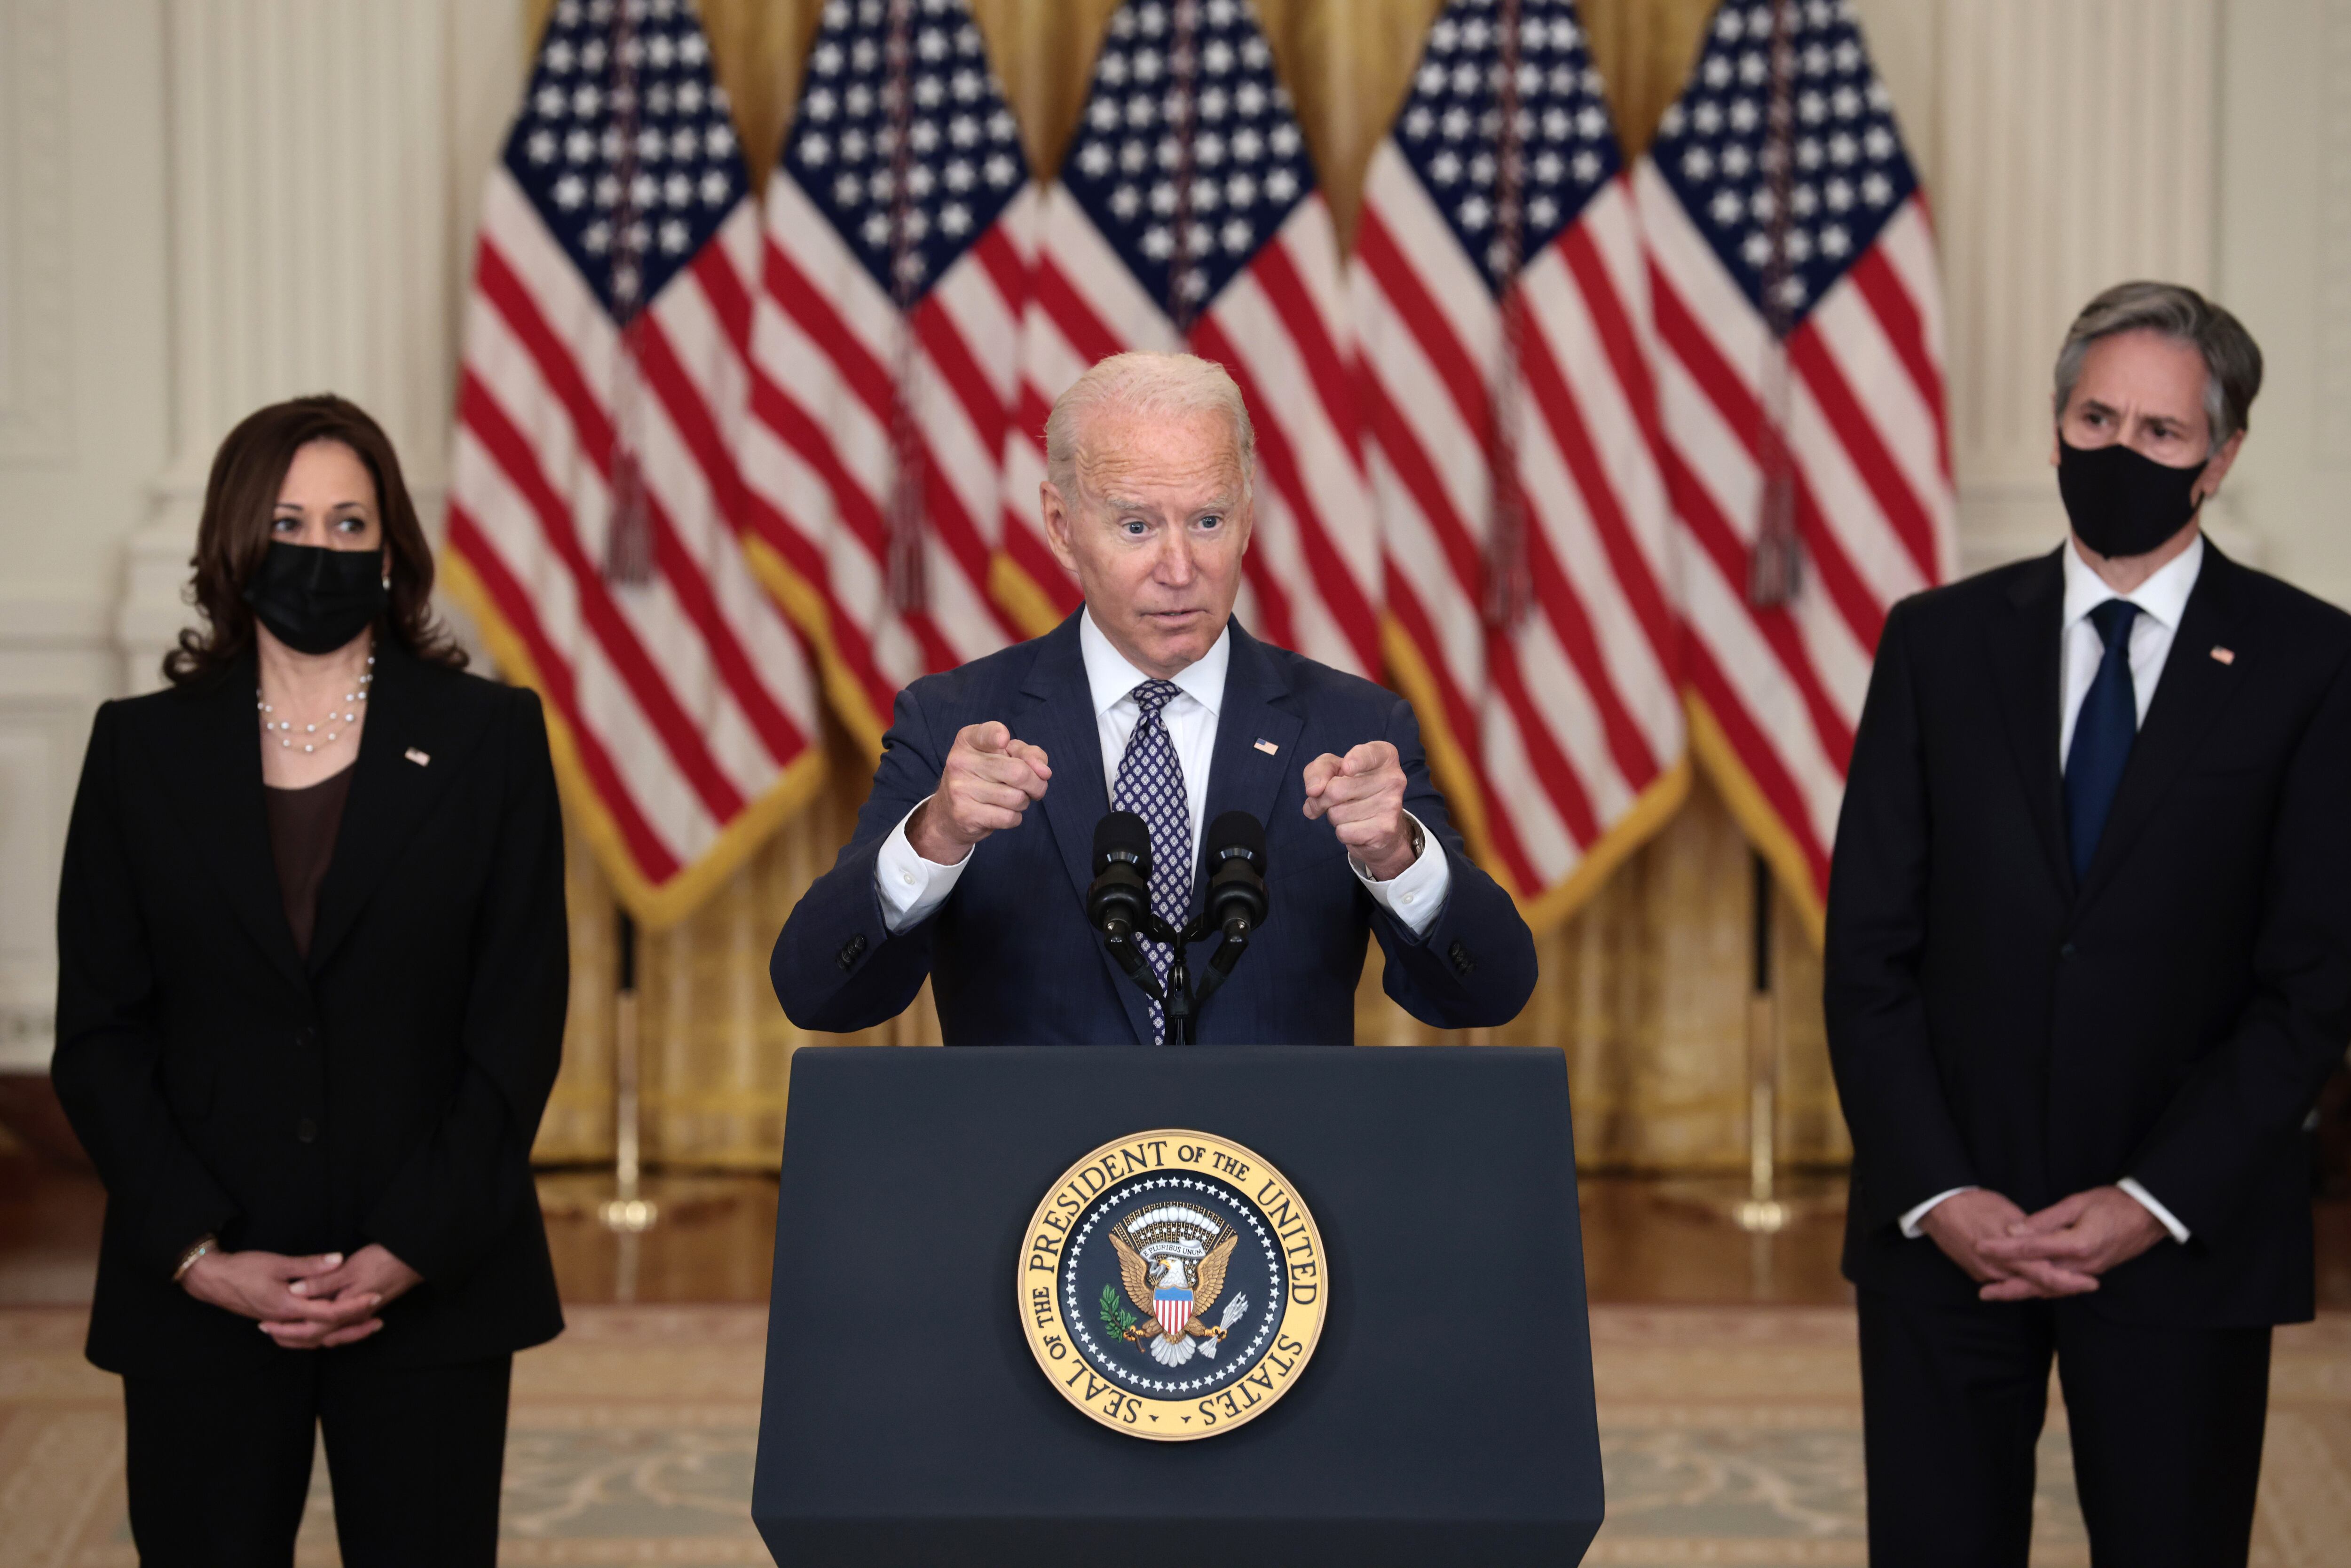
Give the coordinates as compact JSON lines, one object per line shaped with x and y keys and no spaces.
{"x":1174,"y":1302}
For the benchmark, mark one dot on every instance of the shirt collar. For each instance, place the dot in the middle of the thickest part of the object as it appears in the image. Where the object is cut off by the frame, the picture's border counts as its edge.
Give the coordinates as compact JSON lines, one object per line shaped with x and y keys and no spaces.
{"x":2163,"y":596}
{"x":1109,"y":678}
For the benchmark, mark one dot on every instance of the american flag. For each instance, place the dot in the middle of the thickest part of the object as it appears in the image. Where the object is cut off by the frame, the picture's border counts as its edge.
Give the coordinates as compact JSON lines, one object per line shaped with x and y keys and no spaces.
{"x":1800,"y":378}
{"x":594,"y":478}
{"x":1502,"y":306}
{"x":1187,"y":213}
{"x":885,"y":350}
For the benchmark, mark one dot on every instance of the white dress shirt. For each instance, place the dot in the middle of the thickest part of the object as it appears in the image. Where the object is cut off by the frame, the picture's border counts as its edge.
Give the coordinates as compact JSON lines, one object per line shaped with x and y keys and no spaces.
{"x":2162,"y":600}
{"x":911,"y":887}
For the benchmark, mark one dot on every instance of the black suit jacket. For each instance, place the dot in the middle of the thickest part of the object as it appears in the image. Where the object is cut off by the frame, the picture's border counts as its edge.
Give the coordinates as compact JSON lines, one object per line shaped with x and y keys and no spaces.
{"x":386,"y":1090}
{"x":2171,"y":1018}
{"x":1012,"y":958}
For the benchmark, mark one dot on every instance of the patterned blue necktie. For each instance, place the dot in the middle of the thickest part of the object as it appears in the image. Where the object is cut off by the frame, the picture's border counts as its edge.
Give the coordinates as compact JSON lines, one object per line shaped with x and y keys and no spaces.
{"x":1151,"y":785}
{"x":2103,"y":733}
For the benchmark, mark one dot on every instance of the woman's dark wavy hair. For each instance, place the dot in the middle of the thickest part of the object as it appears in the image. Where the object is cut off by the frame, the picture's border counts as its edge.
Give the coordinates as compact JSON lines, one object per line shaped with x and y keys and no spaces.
{"x":241,"y":498}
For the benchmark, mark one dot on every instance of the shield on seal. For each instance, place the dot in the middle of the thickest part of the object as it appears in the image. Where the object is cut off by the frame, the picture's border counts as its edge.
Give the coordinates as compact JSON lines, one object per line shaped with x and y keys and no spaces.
{"x":1173,"y":1309}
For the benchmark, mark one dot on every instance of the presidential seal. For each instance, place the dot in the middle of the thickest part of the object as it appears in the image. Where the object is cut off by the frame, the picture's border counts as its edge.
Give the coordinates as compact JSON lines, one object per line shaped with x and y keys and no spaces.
{"x":1173,"y":1285}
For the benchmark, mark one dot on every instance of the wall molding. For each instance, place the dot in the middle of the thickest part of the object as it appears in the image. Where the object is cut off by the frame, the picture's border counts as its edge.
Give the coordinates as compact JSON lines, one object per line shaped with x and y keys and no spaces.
{"x":2333,"y":425}
{"x":36,"y":287}
{"x":2078,"y":143}
{"x":58,"y":662}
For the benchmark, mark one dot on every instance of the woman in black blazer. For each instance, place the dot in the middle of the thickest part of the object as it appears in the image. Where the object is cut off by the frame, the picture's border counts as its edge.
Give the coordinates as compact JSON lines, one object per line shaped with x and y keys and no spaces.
{"x":312,"y":969}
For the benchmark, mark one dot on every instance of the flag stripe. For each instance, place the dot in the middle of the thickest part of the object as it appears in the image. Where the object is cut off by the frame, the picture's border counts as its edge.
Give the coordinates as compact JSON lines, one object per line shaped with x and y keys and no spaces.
{"x":1899,"y":318}
{"x":1636,"y":572}
{"x":1501,"y":834}
{"x":1462,"y":378}
{"x":1742,"y":419}
{"x":1712,"y":532}
{"x":693,"y":421}
{"x":1630,"y":570}
{"x":558,"y":373}
{"x":506,"y":443}
{"x":466,"y":541}
{"x":862,"y":376}
{"x":1875,"y":466}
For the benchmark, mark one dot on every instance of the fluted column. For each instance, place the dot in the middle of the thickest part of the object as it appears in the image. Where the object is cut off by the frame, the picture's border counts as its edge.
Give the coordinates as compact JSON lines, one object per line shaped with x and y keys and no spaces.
{"x":2076,"y":146}
{"x":325,"y":157}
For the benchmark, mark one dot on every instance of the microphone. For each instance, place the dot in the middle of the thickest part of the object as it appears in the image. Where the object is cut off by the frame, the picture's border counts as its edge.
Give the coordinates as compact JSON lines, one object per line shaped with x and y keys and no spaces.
{"x":1236,"y":866}
{"x":1118,"y":904}
{"x":1236,"y":901}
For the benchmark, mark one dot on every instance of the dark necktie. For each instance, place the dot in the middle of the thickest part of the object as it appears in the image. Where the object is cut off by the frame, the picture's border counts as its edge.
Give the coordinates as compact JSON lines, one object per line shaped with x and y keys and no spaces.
{"x":1151,"y":785}
{"x":2103,"y":733}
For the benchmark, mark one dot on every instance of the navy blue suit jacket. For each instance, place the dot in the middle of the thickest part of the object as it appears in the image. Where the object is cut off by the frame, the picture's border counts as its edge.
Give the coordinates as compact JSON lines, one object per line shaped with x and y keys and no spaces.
{"x":1011,"y":957}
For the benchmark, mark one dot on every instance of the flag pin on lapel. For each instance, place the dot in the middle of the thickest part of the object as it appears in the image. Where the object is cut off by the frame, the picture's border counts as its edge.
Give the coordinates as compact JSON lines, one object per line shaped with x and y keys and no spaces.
{"x":2226,"y":655}
{"x":418,"y":758}
{"x":1268,"y":748}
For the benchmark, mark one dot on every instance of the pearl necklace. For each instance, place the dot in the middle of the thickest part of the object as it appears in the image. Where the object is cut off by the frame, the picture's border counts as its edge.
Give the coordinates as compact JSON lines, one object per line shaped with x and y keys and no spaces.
{"x":284,"y":727}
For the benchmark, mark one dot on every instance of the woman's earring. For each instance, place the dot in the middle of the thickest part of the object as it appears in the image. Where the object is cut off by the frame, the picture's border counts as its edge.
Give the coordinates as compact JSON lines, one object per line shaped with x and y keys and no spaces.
{"x":387,"y":584}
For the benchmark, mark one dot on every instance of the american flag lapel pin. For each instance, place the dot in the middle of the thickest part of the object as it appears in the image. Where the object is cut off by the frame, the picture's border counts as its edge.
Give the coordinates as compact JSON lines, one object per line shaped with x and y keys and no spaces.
{"x":418,"y":758}
{"x":1268,"y":748}
{"x":2225,"y":655}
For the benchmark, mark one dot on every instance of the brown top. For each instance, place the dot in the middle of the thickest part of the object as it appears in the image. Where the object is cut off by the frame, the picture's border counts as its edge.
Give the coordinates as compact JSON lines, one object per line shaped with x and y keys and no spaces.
{"x":302,"y":827}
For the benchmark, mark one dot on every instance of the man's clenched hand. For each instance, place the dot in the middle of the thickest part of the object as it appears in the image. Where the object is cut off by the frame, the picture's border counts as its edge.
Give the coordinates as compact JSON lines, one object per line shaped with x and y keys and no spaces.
{"x":990,"y":780}
{"x":1363,"y":794}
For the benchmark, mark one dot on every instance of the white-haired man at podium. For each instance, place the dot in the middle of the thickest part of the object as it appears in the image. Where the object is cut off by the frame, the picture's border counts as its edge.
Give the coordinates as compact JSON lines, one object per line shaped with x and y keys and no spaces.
{"x":974,"y":852}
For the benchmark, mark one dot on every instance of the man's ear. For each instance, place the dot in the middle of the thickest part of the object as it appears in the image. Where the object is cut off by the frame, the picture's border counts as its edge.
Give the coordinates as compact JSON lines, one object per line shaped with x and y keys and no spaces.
{"x":1057,"y":525}
{"x":2217,"y":466}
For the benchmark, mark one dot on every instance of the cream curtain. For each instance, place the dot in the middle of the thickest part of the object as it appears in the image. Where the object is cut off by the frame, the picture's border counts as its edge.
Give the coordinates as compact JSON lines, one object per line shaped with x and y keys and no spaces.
{"x":1646,"y":989}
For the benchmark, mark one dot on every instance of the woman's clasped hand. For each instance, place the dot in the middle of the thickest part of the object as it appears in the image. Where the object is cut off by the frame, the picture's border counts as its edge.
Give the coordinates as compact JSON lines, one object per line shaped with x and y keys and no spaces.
{"x":304,"y":1303}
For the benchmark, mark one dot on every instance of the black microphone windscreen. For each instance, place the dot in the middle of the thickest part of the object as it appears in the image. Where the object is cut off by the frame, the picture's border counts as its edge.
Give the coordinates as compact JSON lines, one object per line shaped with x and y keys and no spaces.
{"x":1236,"y":830}
{"x":1123,"y":831}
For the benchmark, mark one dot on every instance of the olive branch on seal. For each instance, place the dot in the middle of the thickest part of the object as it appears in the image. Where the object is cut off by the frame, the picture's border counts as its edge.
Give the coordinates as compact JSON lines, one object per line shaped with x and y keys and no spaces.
{"x":1114,"y":1315}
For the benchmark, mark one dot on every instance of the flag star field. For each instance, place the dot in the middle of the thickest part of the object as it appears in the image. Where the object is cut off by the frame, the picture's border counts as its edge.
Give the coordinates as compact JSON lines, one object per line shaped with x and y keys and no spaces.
{"x":1850,"y":175}
{"x":1450,"y":128}
{"x":1247,"y":164}
{"x":962,"y":161}
{"x":626,"y":144}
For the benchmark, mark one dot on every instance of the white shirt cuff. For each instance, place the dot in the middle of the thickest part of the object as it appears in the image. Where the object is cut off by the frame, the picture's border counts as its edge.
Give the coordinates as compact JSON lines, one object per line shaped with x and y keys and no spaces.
{"x":1910,"y":1220}
{"x":2168,"y":1220}
{"x":911,"y":887}
{"x":1416,"y":895}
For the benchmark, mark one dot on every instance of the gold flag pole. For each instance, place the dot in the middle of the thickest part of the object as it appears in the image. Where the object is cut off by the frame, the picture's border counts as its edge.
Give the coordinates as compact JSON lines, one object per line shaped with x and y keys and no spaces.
{"x":628,"y":1214}
{"x":628,"y":1211}
{"x":1761,"y":1213}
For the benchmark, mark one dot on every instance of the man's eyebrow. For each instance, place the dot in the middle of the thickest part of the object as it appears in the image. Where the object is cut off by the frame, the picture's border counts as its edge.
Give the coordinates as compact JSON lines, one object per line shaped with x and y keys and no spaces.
{"x":1219,"y":505}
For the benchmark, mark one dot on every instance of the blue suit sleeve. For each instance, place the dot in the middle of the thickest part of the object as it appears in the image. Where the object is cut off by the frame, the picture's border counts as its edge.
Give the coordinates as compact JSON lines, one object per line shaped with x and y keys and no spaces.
{"x":1475,"y":966}
{"x":836,"y":966}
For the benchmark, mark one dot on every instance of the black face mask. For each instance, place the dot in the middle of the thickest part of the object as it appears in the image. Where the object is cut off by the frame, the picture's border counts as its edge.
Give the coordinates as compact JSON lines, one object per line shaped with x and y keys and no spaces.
{"x":2121,"y":503}
{"x":315,"y":600}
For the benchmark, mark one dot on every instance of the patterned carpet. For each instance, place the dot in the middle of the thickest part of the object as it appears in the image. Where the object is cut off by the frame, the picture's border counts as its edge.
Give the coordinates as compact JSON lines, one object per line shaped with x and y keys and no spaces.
{"x":1731,"y":1437}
